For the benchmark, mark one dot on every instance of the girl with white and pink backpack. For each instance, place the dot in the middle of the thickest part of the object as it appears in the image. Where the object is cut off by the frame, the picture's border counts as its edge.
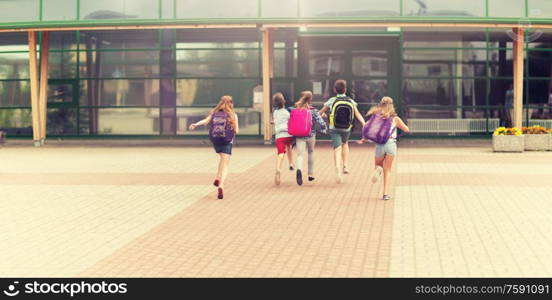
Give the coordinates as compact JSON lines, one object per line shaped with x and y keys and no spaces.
{"x":381,"y":129}
{"x":301,"y":125}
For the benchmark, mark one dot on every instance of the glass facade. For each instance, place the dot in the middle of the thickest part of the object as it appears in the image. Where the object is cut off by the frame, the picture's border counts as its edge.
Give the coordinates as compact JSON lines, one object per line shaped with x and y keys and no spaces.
{"x":74,"y":11}
{"x":155,"y":82}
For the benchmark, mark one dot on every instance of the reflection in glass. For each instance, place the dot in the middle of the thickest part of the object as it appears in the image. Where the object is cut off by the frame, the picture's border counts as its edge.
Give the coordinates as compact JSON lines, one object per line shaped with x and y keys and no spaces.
{"x":61,"y":121}
{"x":464,"y":8}
{"x":369,"y":91}
{"x":286,"y":87}
{"x":20,"y":10}
{"x":216,"y":9}
{"x":322,"y":90}
{"x":63,"y":40}
{"x":62,"y":64}
{"x":221,"y":63}
{"x":167,"y":10}
{"x":59,"y":10}
{"x":540,"y":8}
{"x":15,"y":93}
{"x":326,"y":62}
{"x":540,"y":99}
{"x":540,"y":38}
{"x":445,"y":63}
{"x":444,"y":92}
{"x":121,"y":64}
{"x":349,"y":8}
{"x":207,"y":92}
{"x":14,"y":41}
{"x":16,"y":122}
{"x":540,"y":63}
{"x":285,"y":62}
{"x":445,"y":38}
{"x":136,"y":92}
{"x":14,"y":65}
{"x":507,"y":8}
{"x":279,"y":9}
{"x":369,"y":63}
{"x":119,"y":39}
{"x":108,"y":121}
{"x":60,"y":93}
{"x":119,"y":9}
{"x":500,"y":62}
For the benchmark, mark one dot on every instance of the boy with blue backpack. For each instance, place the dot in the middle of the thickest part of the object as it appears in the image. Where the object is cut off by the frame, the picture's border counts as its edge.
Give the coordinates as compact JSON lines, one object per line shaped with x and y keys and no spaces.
{"x":343,"y":111}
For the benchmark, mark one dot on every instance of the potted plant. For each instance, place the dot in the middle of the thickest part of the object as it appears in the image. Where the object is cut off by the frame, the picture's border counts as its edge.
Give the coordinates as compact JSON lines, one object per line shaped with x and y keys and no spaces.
{"x":536,"y":138}
{"x":508,"y":140}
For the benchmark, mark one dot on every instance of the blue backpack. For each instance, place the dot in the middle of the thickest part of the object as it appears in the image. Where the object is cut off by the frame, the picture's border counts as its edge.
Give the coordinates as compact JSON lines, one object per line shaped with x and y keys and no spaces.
{"x":220,"y":131}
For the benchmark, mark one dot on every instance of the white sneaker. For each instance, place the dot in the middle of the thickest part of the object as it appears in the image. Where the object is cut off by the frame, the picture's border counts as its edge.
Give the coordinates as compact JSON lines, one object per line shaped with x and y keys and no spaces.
{"x":377,"y":174}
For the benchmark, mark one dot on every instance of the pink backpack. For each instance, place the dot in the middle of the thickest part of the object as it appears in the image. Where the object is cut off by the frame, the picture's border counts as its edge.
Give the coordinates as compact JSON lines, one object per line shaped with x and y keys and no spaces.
{"x":300,"y":122}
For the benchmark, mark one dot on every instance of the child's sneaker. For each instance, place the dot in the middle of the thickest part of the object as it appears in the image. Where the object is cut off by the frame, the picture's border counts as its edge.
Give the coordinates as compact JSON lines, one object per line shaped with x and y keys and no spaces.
{"x":377,"y":174}
{"x":386,"y":197}
{"x":345,"y":170}
{"x":299,"y":177}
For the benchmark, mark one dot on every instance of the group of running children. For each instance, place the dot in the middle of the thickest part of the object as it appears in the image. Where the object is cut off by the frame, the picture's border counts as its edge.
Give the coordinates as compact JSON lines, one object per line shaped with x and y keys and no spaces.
{"x":299,"y":125}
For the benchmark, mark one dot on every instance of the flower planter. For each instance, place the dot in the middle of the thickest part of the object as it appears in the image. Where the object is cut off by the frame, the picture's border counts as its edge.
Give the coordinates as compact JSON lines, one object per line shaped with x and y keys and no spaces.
{"x":508,"y":143}
{"x":537,"y":142}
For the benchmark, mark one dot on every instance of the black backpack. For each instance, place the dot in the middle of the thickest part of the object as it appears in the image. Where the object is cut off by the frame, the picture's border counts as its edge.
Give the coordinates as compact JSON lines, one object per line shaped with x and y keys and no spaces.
{"x":342,"y":115}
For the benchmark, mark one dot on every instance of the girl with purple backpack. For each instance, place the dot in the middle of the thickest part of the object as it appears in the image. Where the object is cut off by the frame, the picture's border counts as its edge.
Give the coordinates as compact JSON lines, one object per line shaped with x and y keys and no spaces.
{"x":381,"y":129}
{"x":223,"y":126}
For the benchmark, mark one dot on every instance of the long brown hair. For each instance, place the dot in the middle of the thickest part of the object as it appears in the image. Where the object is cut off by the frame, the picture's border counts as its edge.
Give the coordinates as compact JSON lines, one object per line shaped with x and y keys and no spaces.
{"x":385,"y":108}
{"x":226,"y":104}
{"x":305,"y":100}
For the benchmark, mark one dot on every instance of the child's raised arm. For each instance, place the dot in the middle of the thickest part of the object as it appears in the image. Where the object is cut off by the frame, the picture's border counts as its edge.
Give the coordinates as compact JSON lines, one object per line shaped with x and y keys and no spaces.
{"x":401,"y":125}
{"x":200,"y":123}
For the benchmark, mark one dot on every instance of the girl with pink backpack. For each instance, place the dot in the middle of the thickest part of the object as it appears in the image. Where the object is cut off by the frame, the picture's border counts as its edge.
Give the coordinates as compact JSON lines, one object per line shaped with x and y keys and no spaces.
{"x":223,"y":127}
{"x":302,"y":125}
{"x":381,"y":129}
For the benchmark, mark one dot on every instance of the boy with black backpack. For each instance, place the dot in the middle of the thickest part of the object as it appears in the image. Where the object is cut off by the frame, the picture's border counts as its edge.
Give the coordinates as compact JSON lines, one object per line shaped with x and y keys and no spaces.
{"x":343,"y":111}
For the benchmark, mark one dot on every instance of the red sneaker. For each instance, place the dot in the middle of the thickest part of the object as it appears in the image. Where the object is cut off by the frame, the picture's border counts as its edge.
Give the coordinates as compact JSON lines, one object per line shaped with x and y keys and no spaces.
{"x":216,"y":182}
{"x":220,"y":193}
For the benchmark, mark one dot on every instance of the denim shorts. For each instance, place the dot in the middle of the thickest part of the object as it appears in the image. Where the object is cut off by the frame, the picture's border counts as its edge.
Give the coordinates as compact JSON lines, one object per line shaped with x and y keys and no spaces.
{"x":339,"y":137}
{"x":223,"y":148}
{"x":389,"y":148}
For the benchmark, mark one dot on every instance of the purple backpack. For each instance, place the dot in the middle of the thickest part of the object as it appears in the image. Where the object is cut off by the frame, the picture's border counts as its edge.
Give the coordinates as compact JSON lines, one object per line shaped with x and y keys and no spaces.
{"x":378,"y":129}
{"x":221,"y":131}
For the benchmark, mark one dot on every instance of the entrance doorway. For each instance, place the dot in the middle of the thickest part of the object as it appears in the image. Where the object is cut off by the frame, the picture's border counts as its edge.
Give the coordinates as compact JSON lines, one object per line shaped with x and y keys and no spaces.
{"x":62,"y":108}
{"x":370,"y":64}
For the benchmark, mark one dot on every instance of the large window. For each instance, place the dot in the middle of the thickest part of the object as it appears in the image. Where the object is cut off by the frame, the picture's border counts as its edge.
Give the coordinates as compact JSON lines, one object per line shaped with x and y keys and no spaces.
{"x":217,"y":9}
{"x":348,"y":8}
{"x":464,"y":8}
{"x":118,"y":9}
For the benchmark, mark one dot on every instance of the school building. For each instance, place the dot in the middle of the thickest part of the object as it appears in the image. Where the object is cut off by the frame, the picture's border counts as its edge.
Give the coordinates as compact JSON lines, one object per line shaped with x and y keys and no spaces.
{"x":147,"y":68}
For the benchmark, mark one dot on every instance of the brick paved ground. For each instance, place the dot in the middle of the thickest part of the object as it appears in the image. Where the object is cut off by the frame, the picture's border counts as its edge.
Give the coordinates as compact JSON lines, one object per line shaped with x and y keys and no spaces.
{"x":458,"y":210}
